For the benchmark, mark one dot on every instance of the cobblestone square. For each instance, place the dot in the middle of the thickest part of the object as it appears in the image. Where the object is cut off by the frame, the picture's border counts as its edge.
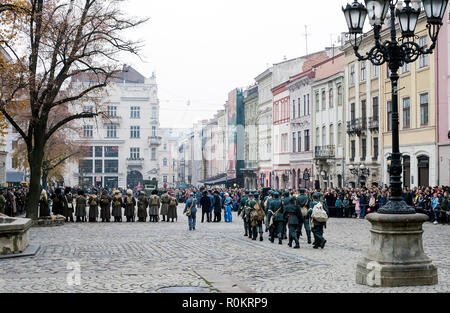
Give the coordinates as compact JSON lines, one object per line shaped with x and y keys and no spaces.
{"x":147,"y":257}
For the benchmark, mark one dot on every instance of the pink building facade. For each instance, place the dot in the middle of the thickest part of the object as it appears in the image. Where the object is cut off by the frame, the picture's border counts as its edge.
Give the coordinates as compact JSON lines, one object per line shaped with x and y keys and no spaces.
{"x":443,"y":101}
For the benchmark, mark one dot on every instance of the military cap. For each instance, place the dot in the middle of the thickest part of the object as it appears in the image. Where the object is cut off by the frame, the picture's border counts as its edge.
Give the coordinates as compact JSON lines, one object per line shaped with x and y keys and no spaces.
{"x":316,"y":195}
{"x":247,"y":192}
{"x":276,"y":194}
{"x":286,"y":194}
{"x":302,"y":190}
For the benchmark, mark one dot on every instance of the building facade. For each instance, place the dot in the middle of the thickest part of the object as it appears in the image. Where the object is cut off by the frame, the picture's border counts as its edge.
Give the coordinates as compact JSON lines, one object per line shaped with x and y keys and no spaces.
{"x":418,"y":119}
{"x":329,"y":123}
{"x":363,"y":95}
{"x":250,"y":172}
{"x":122,"y":149}
{"x":443,"y":101}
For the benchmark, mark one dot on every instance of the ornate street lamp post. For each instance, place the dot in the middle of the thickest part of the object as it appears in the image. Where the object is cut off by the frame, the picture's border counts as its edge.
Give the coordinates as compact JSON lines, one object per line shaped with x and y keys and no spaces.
{"x":359,"y":171}
{"x":396,"y":256}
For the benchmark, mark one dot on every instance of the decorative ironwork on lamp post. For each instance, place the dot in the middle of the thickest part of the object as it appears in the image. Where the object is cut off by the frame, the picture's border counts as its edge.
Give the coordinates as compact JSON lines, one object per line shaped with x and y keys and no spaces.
{"x":395,"y":52}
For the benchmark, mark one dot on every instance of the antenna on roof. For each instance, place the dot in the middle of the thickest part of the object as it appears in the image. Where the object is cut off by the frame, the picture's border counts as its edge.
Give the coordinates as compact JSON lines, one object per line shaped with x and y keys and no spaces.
{"x":306,"y":38}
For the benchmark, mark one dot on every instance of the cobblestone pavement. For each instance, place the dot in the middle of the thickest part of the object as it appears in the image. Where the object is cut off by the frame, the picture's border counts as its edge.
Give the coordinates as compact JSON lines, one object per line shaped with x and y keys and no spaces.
{"x":147,"y":257}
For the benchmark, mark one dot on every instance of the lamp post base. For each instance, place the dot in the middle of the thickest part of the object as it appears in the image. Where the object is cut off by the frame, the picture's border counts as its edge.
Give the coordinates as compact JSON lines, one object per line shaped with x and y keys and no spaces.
{"x":396,"y":257}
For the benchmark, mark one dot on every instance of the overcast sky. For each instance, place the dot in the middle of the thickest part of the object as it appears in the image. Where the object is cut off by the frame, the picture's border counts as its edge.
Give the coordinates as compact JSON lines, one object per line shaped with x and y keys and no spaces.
{"x":202,"y":49}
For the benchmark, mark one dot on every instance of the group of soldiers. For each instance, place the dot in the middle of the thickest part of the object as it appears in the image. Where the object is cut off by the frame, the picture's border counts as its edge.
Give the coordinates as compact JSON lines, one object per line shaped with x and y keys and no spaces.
{"x":109,"y":205}
{"x":283,"y":211}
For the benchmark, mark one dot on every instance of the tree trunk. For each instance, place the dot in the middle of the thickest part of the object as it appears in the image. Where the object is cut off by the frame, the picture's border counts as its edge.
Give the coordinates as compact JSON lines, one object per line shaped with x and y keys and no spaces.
{"x":35,"y":160}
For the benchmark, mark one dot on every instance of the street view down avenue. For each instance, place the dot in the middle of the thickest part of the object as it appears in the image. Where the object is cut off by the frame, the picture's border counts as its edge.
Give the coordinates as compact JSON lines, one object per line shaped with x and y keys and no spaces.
{"x":227,"y":153}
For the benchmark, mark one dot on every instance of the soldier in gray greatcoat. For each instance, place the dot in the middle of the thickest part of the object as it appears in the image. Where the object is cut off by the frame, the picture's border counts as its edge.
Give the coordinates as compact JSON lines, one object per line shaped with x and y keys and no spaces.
{"x":154,"y":204}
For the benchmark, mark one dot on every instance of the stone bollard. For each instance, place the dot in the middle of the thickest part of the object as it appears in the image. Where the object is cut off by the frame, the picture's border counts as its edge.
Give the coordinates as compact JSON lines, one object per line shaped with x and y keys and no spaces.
{"x":396,"y":257}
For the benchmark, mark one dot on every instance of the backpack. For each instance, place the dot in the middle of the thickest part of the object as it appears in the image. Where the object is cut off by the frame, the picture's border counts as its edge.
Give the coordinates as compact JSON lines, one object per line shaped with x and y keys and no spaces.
{"x":319,"y":214}
{"x":105,"y":201}
{"x":154,"y":201}
{"x":257,"y":215}
{"x":173,"y":202}
{"x":94,"y":202}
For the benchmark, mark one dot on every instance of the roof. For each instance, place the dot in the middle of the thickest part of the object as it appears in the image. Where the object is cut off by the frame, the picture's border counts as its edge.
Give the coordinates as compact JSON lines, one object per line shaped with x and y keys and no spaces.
{"x":127,"y":75}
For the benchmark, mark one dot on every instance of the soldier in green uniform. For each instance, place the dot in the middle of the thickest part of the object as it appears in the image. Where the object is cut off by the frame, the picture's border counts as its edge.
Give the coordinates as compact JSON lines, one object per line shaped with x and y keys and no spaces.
{"x":241,"y":211}
{"x":266,"y":202}
{"x":317,"y":227}
{"x":257,"y":217}
{"x":303,"y":204}
{"x":247,"y":211}
{"x":285,"y":221}
{"x":275,"y":210}
{"x":293,"y":215}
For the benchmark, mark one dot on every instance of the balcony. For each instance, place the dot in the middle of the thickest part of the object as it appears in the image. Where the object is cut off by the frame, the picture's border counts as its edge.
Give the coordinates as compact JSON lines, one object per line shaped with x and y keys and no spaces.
{"x":325,"y":152}
{"x":374,"y":124}
{"x":135,"y":163}
{"x":112,"y":119}
{"x":357,"y":126}
{"x":154,"y":141}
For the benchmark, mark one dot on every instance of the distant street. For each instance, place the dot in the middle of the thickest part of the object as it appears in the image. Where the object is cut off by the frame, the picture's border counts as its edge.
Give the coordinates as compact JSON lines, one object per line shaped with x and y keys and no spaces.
{"x":147,"y":257}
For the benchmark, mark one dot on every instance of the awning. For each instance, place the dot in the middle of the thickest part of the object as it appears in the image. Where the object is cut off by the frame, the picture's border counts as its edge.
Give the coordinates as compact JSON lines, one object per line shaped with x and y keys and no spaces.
{"x":15,"y":177}
{"x":217,"y":180}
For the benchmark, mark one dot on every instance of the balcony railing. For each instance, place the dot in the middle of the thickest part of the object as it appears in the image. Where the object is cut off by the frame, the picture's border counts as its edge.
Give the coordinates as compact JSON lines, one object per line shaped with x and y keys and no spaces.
{"x":356,"y":126}
{"x":374,"y":124}
{"x":325,"y":152}
{"x":135,"y":162}
{"x":154,"y":141}
{"x":112,"y":119}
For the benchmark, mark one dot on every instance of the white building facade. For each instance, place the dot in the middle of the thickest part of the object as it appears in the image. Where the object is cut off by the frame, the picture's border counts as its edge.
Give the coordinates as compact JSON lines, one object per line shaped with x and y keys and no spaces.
{"x":123,"y":148}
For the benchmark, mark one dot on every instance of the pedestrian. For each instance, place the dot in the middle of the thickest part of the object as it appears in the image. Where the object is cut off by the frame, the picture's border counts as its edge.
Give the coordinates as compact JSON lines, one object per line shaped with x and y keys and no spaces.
{"x":80,"y":207}
{"x":217,"y":207}
{"x":117,"y":205}
{"x":257,"y":216}
{"x":318,"y":216}
{"x":293,"y":216}
{"x":2,"y":202}
{"x":43,"y":205}
{"x":129,"y":204}
{"x":303,"y":203}
{"x":228,"y":209}
{"x":165,"y":199}
{"x":172,"y":212}
{"x":241,"y":211}
{"x":277,"y":218}
{"x":154,"y":204}
{"x":93,"y":203}
{"x":190,"y":210}
{"x":205,"y":203}
{"x":346,"y":206}
{"x":68,"y":205}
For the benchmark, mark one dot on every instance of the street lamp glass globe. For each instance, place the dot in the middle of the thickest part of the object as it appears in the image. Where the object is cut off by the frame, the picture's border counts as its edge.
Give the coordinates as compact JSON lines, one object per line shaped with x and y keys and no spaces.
{"x":407,"y":18}
{"x":377,"y":11}
{"x":362,"y":166}
{"x":435,"y":10}
{"x":351,"y":167}
{"x":355,"y":15}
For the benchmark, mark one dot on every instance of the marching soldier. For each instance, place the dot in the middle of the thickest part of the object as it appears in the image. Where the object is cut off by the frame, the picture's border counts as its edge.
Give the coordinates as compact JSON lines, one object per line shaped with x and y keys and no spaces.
{"x":129,"y":203}
{"x":267,"y":200}
{"x":93,"y":207}
{"x":318,"y":214}
{"x":303,"y":203}
{"x":154,"y":204}
{"x":105,"y":207}
{"x":142,"y":207}
{"x":241,"y":211}
{"x":276,"y":213}
{"x":294,"y":216}
{"x":80,"y":208}
{"x":117,"y":204}
{"x":165,"y":199}
{"x":172,"y":212}
{"x":285,"y":221}
{"x":257,"y":218}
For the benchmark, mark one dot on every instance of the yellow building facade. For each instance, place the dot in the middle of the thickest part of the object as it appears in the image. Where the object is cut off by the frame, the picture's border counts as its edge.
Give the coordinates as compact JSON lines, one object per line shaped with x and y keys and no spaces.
{"x":417,"y":115}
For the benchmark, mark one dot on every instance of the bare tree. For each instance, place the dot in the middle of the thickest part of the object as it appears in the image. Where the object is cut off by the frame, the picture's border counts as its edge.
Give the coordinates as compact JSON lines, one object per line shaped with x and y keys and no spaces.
{"x":62,"y":41}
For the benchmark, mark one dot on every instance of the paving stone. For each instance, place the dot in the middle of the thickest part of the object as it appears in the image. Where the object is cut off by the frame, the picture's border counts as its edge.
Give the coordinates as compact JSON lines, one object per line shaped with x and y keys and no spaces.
{"x":142,"y":258}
